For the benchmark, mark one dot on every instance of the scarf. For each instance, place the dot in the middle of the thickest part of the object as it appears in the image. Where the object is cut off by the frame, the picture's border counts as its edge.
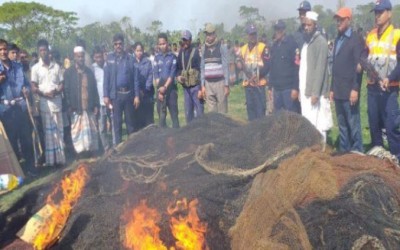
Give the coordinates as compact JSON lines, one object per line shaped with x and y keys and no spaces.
{"x":213,"y":43}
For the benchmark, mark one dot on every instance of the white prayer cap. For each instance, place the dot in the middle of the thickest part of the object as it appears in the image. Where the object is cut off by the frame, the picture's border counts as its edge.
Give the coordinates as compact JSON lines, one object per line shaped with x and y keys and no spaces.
{"x":312,"y":15}
{"x":79,"y":49}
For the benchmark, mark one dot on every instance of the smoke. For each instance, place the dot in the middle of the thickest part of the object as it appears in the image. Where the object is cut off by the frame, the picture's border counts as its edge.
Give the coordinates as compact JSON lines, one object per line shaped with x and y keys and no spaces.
{"x":183,"y":14}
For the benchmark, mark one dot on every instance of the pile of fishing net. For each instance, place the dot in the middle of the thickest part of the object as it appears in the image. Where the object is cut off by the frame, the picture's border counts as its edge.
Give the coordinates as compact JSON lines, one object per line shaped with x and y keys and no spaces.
{"x":260,"y":185}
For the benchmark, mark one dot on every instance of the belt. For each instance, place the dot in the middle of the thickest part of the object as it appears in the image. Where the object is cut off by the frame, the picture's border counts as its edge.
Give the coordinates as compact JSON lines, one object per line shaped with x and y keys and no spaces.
{"x":123,"y":89}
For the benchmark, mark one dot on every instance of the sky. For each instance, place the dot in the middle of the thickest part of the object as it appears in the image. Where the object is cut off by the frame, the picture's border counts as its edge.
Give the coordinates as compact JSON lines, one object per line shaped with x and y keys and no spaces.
{"x":182,"y":14}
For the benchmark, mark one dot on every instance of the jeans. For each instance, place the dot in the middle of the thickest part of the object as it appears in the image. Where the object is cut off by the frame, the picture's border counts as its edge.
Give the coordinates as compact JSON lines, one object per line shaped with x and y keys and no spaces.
{"x":255,"y":102}
{"x":192,"y":103}
{"x":283,"y":101}
{"x":383,"y":112}
{"x":348,"y":117}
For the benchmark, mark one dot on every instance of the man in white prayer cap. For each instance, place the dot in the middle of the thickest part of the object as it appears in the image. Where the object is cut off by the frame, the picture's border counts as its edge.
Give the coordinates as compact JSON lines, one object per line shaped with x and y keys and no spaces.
{"x":313,"y":76}
{"x":82,"y":103}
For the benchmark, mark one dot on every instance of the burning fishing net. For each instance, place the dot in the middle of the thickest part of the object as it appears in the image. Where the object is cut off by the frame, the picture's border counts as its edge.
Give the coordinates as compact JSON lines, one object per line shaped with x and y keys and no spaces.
{"x":262,"y":185}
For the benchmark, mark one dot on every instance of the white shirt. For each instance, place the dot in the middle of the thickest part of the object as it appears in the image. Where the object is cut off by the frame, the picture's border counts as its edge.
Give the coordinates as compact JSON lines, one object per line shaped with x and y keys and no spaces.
{"x":99,"y":75}
{"x":48,"y":78}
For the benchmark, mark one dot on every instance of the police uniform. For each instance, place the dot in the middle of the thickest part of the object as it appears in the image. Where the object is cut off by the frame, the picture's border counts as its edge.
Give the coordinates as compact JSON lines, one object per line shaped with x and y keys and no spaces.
{"x":164,"y":68}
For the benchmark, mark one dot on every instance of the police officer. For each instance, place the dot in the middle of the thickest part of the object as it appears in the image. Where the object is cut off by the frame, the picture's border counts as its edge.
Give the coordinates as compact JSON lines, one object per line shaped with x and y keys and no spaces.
{"x":164,"y":74}
{"x":121,"y":87}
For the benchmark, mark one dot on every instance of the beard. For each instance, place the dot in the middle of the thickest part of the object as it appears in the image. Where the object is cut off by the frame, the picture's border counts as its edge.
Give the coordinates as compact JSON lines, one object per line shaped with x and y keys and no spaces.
{"x":308,"y":36}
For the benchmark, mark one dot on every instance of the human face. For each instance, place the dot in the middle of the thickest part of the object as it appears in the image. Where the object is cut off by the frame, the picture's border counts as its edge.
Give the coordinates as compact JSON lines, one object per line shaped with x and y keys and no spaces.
{"x":186,"y":43}
{"x":210,"y":37}
{"x":382,"y":18}
{"x":162,"y":45}
{"x":99,"y":59}
{"x":118,"y":46}
{"x":3,"y":52}
{"x":138,"y":52}
{"x":252,"y":38}
{"x":342,"y":24}
{"x":309,"y":26}
{"x":23,"y":57}
{"x":79,"y":59}
{"x":44,"y":52}
{"x":13,"y":55}
{"x":302,"y":16}
{"x":279,"y":34}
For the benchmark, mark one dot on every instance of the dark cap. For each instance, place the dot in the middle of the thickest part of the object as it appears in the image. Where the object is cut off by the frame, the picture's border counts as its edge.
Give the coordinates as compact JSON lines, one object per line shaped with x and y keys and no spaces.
{"x":186,"y":35}
{"x":381,"y":5}
{"x":279,"y":25}
{"x":251,"y":29}
{"x":13,"y":46}
{"x":305,"y":5}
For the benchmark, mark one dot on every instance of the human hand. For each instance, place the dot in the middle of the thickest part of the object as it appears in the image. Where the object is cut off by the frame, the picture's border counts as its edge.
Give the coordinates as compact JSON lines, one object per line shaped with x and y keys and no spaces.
{"x":314,"y":100}
{"x":294,"y":94}
{"x":227,"y":91}
{"x":331,"y":96}
{"x":136,"y":102}
{"x":353,"y":97}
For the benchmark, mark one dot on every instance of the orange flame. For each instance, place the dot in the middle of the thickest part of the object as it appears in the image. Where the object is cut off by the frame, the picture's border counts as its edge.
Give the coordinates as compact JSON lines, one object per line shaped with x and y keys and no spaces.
{"x":188,"y":230}
{"x":71,"y":186}
{"x":141,"y":230}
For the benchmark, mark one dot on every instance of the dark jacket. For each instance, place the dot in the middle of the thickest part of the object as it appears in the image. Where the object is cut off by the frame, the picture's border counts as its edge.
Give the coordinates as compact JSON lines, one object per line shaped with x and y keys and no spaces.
{"x":344,"y":67}
{"x":12,"y":86}
{"x":283,"y":71}
{"x":145,"y":76}
{"x":73,"y":90}
{"x":110,"y":76}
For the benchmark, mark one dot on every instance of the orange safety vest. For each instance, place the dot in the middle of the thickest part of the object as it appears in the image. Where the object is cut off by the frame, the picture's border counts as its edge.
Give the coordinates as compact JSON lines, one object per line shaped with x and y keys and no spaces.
{"x":253,"y":61}
{"x":382,"y":51}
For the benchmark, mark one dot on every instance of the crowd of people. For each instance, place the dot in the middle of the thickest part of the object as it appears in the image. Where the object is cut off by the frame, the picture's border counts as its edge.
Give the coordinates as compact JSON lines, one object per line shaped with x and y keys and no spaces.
{"x":79,"y":107}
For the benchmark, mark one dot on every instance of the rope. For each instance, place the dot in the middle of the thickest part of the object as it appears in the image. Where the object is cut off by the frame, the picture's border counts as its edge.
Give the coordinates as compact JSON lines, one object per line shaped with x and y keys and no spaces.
{"x":216,"y":168}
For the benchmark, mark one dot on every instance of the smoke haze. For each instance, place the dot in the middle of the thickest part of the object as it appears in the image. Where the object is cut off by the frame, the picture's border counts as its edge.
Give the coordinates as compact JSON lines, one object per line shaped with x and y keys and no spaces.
{"x":183,"y":14}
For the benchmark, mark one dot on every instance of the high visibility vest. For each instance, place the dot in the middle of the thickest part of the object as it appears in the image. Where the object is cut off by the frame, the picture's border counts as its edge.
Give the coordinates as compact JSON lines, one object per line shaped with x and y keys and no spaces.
{"x":253,"y":61}
{"x":382,"y":51}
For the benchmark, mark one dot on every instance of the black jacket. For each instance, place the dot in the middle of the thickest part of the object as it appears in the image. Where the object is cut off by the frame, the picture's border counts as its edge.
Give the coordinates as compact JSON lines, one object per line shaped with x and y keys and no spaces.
{"x":73,"y":90}
{"x":283,"y":71}
{"x":344,"y":74}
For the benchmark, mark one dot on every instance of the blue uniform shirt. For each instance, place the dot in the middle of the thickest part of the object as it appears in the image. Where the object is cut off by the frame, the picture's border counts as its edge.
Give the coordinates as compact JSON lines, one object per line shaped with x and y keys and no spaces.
{"x":11,"y":88}
{"x":145,"y":74}
{"x":165,"y":67}
{"x":119,"y":72}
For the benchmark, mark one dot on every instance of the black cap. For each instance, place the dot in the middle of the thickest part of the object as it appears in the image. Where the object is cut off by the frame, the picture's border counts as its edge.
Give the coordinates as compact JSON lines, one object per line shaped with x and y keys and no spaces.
{"x":279,"y":25}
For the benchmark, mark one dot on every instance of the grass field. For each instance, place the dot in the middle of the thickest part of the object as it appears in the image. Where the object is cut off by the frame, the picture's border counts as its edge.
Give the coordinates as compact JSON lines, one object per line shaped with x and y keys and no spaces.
{"x":237,"y":110}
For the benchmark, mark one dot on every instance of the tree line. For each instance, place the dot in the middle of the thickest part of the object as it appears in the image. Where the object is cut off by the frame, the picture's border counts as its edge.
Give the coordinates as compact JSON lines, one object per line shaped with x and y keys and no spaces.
{"x":23,"y":23}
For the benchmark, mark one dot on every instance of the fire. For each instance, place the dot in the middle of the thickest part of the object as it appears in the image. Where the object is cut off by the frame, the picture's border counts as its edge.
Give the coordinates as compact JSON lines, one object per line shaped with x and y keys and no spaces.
{"x":141,"y":230}
{"x":186,"y":226}
{"x":71,"y":187}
